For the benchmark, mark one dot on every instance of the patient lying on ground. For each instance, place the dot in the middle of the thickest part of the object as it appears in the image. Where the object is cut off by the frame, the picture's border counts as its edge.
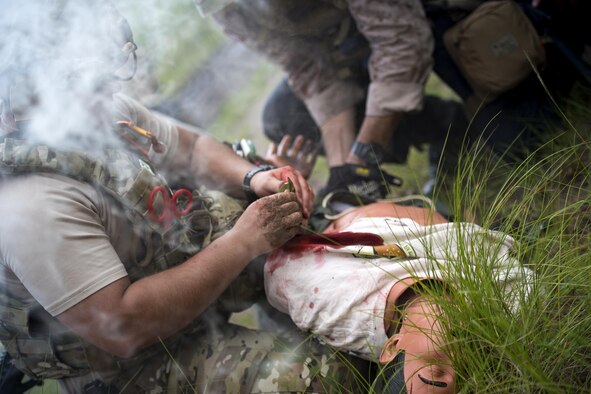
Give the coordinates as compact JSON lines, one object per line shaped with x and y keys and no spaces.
{"x":354,"y":286}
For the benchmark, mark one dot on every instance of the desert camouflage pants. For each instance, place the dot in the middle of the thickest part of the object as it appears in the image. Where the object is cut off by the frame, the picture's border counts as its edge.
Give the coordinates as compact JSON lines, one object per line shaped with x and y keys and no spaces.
{"x":234,"y":359}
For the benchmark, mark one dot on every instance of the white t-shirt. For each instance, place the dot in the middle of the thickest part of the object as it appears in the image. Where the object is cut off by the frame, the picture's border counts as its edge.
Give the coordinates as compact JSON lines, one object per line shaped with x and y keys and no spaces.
{"x":341,"y":298}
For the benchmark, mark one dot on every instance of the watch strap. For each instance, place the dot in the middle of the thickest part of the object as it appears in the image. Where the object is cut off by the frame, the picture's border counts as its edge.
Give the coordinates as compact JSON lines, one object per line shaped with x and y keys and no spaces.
{"x":370,"y":153}
{"x":248,"y":192}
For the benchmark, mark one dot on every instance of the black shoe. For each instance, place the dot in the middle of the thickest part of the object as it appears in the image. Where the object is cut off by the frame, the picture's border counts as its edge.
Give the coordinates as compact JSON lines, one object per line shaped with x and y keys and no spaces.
{"x":368,"y":182}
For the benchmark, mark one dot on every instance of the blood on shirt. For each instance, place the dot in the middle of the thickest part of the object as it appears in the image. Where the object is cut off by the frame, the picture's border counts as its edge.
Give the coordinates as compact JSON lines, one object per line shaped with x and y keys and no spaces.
{"x":315,"y":243}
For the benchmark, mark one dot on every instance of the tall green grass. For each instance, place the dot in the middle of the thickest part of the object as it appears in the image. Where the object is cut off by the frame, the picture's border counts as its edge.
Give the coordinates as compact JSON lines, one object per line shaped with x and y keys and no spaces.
{"x":543,"y":343}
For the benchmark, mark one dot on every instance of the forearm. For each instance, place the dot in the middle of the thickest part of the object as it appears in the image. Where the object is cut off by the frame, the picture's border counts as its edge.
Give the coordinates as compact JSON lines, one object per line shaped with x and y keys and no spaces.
{"x":338,"y":134}
{"x":125,"y":317}
{"x":164,"y":303}
{"x":375,"y":130}
{"x":215,"y":165}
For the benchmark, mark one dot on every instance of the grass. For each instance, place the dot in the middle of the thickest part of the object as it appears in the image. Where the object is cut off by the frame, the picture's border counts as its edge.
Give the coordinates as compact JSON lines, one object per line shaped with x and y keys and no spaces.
{"x":542,"y":343}
{"x":48,"y":387}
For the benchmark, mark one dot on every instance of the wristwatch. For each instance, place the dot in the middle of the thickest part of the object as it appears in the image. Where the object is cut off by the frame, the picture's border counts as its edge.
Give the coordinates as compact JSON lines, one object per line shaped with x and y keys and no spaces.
{"x":370,"y":153}
{"x":250,"y":194}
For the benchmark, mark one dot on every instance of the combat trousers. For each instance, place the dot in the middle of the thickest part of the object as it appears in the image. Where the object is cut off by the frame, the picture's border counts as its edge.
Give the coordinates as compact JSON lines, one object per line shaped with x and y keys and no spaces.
{"x":226,"y":358}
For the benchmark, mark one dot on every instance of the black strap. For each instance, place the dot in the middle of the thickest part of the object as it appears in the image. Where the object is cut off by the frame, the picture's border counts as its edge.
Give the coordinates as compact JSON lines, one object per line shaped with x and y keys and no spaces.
{"x":250,"y":194}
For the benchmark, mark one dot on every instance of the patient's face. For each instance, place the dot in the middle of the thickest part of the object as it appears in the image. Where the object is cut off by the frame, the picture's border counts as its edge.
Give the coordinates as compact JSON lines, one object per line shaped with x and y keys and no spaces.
{"x":427,"y":367}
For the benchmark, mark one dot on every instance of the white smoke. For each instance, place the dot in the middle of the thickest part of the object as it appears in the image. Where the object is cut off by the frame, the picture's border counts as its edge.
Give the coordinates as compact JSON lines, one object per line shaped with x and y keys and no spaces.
{"x":58,"y":59}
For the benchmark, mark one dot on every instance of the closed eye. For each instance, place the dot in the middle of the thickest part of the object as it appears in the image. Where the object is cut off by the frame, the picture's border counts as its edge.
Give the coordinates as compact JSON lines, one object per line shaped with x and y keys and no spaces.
{"x":432,"y":382}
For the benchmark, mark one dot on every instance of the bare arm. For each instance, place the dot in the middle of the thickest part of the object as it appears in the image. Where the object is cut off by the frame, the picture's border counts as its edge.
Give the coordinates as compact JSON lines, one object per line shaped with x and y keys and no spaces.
{"x":339,"y":135}
{"x":124,"y":317}
{"x":203,"y":160}
{"x":375,"y":130}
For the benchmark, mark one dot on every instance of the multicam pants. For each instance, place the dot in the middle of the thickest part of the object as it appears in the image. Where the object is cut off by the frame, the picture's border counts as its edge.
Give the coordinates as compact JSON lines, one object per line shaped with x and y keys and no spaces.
{"x":234,"y":359}
{"x":220,"y":357}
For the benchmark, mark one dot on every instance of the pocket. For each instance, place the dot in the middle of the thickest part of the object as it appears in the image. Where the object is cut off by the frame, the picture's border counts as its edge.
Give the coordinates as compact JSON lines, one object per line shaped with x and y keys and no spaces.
{"x":493,"y":47}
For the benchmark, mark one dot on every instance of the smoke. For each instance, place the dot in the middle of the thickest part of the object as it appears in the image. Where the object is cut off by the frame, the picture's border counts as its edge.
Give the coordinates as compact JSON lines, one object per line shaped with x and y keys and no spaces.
{"x":60,"y":61}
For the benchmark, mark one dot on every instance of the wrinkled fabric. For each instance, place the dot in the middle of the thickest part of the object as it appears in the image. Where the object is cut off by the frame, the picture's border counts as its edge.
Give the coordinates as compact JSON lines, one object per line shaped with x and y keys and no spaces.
{"x":397,"y":33}
{"x":341,"y":296}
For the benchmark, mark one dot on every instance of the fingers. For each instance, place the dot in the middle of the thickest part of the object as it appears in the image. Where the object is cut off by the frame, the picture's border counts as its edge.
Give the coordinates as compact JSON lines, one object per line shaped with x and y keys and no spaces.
{"x":287,"y":203}
{"x":292,"y":148}
{"x":284,"y":145}
{"x":271,"y":149}
{"x":281,"y":199}
{"x":304,"y":193}
{"x":303,"y":190}
{"x":296,"y":147}
{"x":294,"y":219}
{"x":296,"y":224}
{"x":290,"y":216}
{"x":285,"y":208}
{"x":290,"y":223}
{"x":270,"y":221}
{"x":310,"y":151}
{"x":305,"y":149}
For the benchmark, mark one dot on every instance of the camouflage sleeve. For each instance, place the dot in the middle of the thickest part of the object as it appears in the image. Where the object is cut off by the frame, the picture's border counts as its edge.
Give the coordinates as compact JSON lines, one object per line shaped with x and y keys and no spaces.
{"x":311,"y":72}
{"x":233,"y":359}
{"x":401,"y":52}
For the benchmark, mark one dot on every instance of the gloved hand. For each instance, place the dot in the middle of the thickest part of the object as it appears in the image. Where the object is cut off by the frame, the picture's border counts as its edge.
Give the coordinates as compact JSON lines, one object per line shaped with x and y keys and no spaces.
{"x":369,"y":182}
{"x":11,"y":378}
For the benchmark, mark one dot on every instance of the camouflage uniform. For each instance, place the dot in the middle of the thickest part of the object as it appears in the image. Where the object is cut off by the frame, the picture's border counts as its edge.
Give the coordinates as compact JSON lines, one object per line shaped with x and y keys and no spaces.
{"x":209,"y":355}
{"x":306,"y":37}
{"x":232,"y":359}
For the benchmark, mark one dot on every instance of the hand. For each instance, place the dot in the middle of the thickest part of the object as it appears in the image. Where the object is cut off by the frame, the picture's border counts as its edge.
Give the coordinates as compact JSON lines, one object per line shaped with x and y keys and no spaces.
{"x":11,"y":379}
{"x":265,"y":183}
{"x":270,"y":221}
{"x":300,"y":154}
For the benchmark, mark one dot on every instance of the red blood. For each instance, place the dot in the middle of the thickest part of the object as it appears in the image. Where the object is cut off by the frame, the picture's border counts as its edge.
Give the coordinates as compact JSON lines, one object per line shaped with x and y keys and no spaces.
{"x":315,"y":243}
{"x":335,"y":240}
{"x":276,"y":259}
{"x":311,"y":305}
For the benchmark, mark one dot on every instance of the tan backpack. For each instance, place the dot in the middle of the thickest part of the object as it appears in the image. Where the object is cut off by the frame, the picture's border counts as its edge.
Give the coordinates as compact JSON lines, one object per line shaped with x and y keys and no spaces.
{"x":496,"y":47}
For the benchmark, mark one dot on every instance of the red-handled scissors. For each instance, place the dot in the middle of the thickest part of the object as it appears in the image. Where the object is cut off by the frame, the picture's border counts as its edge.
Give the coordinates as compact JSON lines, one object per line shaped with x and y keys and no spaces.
{"x":170,"y":210}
